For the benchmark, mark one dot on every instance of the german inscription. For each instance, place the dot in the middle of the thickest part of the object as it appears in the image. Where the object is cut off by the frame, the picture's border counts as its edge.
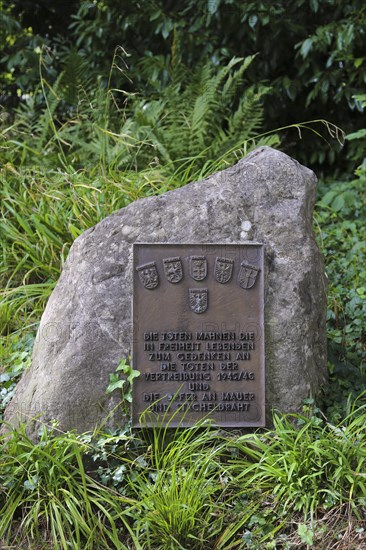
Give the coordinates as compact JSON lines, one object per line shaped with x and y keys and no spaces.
{"x":198,"y":334}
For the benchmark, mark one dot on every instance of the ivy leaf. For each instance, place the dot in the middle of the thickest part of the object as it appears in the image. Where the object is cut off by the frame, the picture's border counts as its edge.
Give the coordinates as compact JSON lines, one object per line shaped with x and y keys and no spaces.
{"x":115,"y":382}
{"x":122,"y":366}
{"x":118,"y":384}
{"x":133,"y":374}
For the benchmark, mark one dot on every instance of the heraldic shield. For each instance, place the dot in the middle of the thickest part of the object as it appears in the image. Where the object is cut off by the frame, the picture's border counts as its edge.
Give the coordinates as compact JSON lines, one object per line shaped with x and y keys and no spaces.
{"x":198,"y":268}
{"x":223,"y":270}
{"x":198,"y":299}
{"x":247,"y":275}
{"x":173,"y":269}
{"x":148,"y":274}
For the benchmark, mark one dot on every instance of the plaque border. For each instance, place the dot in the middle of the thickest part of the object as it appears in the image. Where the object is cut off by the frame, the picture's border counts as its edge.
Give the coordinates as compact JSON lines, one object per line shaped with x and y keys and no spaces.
{"x":182,"y":423}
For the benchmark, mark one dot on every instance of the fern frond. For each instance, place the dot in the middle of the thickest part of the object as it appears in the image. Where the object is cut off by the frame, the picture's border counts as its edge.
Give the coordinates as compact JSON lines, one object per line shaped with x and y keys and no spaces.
{"x":76,"y":76}
{"x":248,"y":118}
{"x":235,"y":79}
{"x":209,"y":112}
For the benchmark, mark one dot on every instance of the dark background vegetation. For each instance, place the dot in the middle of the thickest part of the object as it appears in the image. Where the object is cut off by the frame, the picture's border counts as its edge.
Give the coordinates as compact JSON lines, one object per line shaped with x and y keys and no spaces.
{"x":310,"y":52}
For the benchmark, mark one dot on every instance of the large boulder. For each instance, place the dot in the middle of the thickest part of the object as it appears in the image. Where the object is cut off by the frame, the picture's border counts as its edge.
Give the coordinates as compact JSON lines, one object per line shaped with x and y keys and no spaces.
{"x":86,"y":328}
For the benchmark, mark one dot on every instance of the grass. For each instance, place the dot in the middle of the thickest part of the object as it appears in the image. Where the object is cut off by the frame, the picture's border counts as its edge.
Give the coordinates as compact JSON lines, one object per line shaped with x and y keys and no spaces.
{"x":179,"y":495}
{"x":47,"y":496}
{"x":301,"y":484}
{"x":310,"y":466}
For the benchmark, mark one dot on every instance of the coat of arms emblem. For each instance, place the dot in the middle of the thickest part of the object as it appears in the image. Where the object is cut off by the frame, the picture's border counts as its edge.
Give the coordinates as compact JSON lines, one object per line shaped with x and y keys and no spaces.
{"x":223,"y":270}
{"x":148,"y":274}
{"x":198,"y":299}
{"x":173,"y":269}
{"x":247,"y":275}
{"x":198,"y":268}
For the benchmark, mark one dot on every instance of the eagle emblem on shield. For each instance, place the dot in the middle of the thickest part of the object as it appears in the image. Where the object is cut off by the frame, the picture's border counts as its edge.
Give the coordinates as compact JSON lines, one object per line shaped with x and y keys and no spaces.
{"x":198,"y":268}
{"x":173,"y":269}
{"x":198,"y":299}
{"x":148,"y":274}
{"x":223,"y":270}
{"x":247,"y":275}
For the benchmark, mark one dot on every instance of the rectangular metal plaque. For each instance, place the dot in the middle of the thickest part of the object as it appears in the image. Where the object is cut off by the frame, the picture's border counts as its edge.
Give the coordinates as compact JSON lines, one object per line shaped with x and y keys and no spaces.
{"x":198,"y":334}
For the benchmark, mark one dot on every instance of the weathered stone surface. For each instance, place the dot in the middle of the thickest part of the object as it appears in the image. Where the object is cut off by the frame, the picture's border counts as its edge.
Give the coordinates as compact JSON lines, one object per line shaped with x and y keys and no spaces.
{"x":86,"y":327}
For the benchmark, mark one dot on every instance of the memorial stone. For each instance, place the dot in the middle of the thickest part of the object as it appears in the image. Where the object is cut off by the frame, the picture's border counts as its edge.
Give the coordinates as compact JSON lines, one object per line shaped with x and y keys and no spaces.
{"x":191,"y":244}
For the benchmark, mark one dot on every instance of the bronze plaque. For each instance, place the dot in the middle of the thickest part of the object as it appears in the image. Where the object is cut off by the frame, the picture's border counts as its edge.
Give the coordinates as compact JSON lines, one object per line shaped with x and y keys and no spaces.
{"x":198,"y":334}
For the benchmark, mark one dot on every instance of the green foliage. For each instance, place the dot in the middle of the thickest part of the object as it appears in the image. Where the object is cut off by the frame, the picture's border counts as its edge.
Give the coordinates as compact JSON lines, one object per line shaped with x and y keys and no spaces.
{"x":15,"y":351}
{"x":27,"y":28}
{"x":309,"y":52}
{"x":19,"y":50}
{"x":341,"y":230}
{"x":38,"y":131}
{"x":271,"y":31}
{"x":200,"y":114}
{"x":179,"y":494}
{"x":46,"y":495}
{"x":306,"y":534}
{"x":305,"y":464}
{"x":300,"y":483}
{"x":48,"y":197}
{"x":41,"y":215}
{"x":8,"y":380}
{"x":124,"y":383}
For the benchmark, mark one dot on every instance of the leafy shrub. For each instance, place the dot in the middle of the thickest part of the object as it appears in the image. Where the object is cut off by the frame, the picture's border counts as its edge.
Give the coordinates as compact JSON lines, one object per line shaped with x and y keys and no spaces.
{"x":340,"y":216}
{"x":201,"y":114}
